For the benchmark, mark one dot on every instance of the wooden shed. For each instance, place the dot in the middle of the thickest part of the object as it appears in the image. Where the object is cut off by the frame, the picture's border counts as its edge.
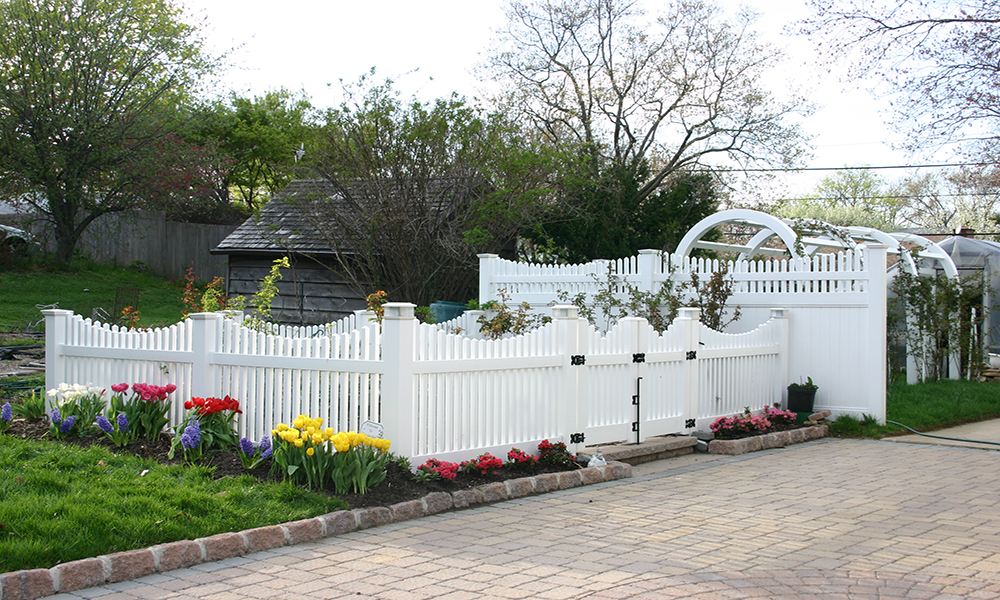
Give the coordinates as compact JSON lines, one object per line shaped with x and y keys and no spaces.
{"x":313,"y":291}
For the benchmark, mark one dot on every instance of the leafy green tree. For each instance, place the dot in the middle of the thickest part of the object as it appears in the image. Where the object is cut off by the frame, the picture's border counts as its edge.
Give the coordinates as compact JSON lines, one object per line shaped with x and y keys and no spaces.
{"x":422,"y":187}
{"x":86,"y":88}
{"x":611,"y":219}
{"x":639,"y":101}
{"x":849,"y":197}
{"x":260,"y":136}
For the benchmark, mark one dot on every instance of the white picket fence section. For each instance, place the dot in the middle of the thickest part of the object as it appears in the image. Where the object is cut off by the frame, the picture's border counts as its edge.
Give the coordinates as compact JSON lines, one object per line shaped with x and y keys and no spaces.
{"x":439,"y":394}
{"x":836,"y":308}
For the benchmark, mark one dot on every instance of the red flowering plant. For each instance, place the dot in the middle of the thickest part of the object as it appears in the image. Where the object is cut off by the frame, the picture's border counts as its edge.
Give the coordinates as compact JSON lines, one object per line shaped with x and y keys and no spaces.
{"x":215,"y":420}
{"x":484,"y":464}
{"x":519,"y":460}
{"x":145,"y":410}
{"x":553,"y":453}
{"x":435,"y":469}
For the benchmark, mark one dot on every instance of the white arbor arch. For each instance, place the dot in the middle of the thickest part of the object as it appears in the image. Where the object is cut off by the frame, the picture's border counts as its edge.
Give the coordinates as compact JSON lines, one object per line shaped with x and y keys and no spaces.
{"x":805,"y":237}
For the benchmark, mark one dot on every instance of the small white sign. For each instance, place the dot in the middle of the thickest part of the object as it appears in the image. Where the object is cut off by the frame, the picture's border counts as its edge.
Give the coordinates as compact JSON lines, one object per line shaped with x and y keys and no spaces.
{"x":372,"y":429}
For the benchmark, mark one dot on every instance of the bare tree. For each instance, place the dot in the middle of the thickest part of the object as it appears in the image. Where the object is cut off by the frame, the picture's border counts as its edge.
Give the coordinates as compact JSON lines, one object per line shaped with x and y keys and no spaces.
{"x":418,"y":189}
{"x":950,"y":201}
{"x":941,"y":61}
{"x":629,"y":93}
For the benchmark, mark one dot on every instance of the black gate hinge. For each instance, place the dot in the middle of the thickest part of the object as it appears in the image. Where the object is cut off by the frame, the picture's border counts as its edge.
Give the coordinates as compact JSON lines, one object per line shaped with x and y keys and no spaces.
{"x":577,"y":359}
{"x":690,"y":423}
{"x":692,"y":355}
{"x":635,"y":426}
{"x":576,"y":438}
{"x":639,"y":358}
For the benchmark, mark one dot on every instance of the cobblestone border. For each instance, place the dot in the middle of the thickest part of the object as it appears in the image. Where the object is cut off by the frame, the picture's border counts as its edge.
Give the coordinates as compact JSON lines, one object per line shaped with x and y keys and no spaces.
{"x":777,"y":439}
{"x":133,"y":564}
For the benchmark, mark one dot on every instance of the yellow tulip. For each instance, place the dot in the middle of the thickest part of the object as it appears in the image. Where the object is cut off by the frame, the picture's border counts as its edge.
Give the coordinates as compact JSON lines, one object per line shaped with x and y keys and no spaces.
{"x":298,"y":443}
{"x":310,"y":451}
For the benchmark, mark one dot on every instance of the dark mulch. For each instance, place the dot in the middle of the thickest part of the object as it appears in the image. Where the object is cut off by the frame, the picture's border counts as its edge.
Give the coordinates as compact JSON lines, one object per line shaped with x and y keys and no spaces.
{"x":399,"y":484}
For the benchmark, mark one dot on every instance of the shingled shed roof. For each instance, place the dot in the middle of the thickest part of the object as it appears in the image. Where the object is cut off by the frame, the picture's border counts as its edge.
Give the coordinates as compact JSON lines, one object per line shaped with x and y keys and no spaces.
{"x":283,"y":224}
{"x":286,"y":223}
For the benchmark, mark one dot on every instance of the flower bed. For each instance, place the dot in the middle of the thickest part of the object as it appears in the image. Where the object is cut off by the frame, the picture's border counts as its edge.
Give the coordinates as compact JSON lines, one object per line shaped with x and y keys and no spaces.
{"x":749,"y":432}
{"x":774,"y":439}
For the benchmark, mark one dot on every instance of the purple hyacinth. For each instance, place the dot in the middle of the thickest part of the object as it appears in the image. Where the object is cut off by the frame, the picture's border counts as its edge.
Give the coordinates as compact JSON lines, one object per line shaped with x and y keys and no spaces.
{"x":104,"y":424}
{"x":6,"y":413}
{"x":122,"y":422}
{"x":55,"y":416}
{"x":67,"y":424}
{"x":192,"y":435}
{"x":246,"y":446}
{"x":268,"y":449}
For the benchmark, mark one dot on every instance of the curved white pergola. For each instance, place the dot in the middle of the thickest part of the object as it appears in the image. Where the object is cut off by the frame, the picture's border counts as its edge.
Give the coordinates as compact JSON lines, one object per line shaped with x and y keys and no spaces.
{"x":818,"y":235}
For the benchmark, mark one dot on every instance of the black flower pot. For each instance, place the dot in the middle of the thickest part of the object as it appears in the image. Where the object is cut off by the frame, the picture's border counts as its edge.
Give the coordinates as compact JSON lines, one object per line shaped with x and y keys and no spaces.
{"x":801,"y":401}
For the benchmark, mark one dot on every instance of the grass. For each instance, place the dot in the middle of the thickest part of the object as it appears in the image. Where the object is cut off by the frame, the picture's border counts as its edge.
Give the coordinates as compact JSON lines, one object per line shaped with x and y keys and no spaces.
{"x":925,"y":407}
{"x":63,"y":503}
{"x":81,"y":288}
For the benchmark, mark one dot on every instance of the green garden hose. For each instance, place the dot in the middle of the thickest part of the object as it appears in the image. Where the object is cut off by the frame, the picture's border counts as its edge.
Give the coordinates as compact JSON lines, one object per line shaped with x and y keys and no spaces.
{"x":941,"y":437}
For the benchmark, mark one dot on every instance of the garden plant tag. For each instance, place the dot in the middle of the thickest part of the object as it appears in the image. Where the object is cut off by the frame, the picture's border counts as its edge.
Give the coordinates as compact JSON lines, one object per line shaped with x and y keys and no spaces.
{"x":372,"y":429}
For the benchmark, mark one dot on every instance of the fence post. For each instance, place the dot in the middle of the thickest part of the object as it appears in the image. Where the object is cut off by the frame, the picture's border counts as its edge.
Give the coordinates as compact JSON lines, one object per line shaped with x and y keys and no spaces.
{"x":486,"y":264}
{"x":636,"y":331}
{"x":877,"y":372}
{"x":397,"y":403}
{"x":647,"y":266}
{"x":569,"y":400}
{"x":689,"y":320}
{"x":205,"y":340}
{"x":781,"y":381}
{"x":56,"y":326}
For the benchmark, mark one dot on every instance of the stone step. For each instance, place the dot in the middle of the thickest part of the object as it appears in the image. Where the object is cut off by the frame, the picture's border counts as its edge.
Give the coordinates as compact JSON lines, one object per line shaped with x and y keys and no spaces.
{"x":655,"y":448}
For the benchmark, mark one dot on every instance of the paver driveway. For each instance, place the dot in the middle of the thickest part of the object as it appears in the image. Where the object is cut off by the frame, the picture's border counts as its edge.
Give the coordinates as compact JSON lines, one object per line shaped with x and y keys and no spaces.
{"x":826,"y":519}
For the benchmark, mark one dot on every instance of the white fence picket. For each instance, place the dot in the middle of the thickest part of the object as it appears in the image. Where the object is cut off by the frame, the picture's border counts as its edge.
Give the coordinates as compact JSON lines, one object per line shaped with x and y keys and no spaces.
{"x":453,"y":396}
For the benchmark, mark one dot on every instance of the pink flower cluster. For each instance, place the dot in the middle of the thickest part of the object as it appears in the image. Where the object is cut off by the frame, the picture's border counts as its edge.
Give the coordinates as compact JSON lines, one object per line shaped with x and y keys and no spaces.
{"x":742,"y":423}
{"x":146,"y":391}
{"x":779,"y":417}
{"x":444,"y":470}
{"x":485,"y":464}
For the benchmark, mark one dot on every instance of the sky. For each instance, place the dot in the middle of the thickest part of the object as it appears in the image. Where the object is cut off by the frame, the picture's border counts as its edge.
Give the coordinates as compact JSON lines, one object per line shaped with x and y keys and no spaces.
{"x":431,"y":47}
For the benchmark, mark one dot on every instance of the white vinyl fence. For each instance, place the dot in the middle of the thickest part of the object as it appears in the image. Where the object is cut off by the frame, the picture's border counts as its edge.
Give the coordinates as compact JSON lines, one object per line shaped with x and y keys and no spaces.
{"x":836,"y":308}
{"x":439,"y":394}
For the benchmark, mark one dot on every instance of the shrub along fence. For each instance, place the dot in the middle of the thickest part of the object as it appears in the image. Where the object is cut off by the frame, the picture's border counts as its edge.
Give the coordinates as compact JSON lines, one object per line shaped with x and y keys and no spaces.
{"x":439,"y":394}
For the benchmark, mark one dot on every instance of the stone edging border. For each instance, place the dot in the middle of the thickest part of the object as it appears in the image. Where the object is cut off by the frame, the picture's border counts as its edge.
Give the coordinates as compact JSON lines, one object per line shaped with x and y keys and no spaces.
{"x":777,"y":439}
{"x":133,"y":564}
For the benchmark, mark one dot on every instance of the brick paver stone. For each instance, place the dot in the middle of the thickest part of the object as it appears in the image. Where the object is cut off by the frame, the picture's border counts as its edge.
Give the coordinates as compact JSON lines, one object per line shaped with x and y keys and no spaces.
{"x":829,"y":520}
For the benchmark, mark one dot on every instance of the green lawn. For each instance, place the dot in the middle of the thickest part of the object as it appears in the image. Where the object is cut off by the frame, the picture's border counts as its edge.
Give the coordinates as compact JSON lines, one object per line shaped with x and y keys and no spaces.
{"x":81,"y":288}
{"x":926,"y":407}
{"x":63,"y":503}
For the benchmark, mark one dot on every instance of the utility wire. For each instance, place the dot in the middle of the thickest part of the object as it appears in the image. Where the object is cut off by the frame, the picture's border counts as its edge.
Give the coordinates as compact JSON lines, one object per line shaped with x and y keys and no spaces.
{"x":792,"y":170}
